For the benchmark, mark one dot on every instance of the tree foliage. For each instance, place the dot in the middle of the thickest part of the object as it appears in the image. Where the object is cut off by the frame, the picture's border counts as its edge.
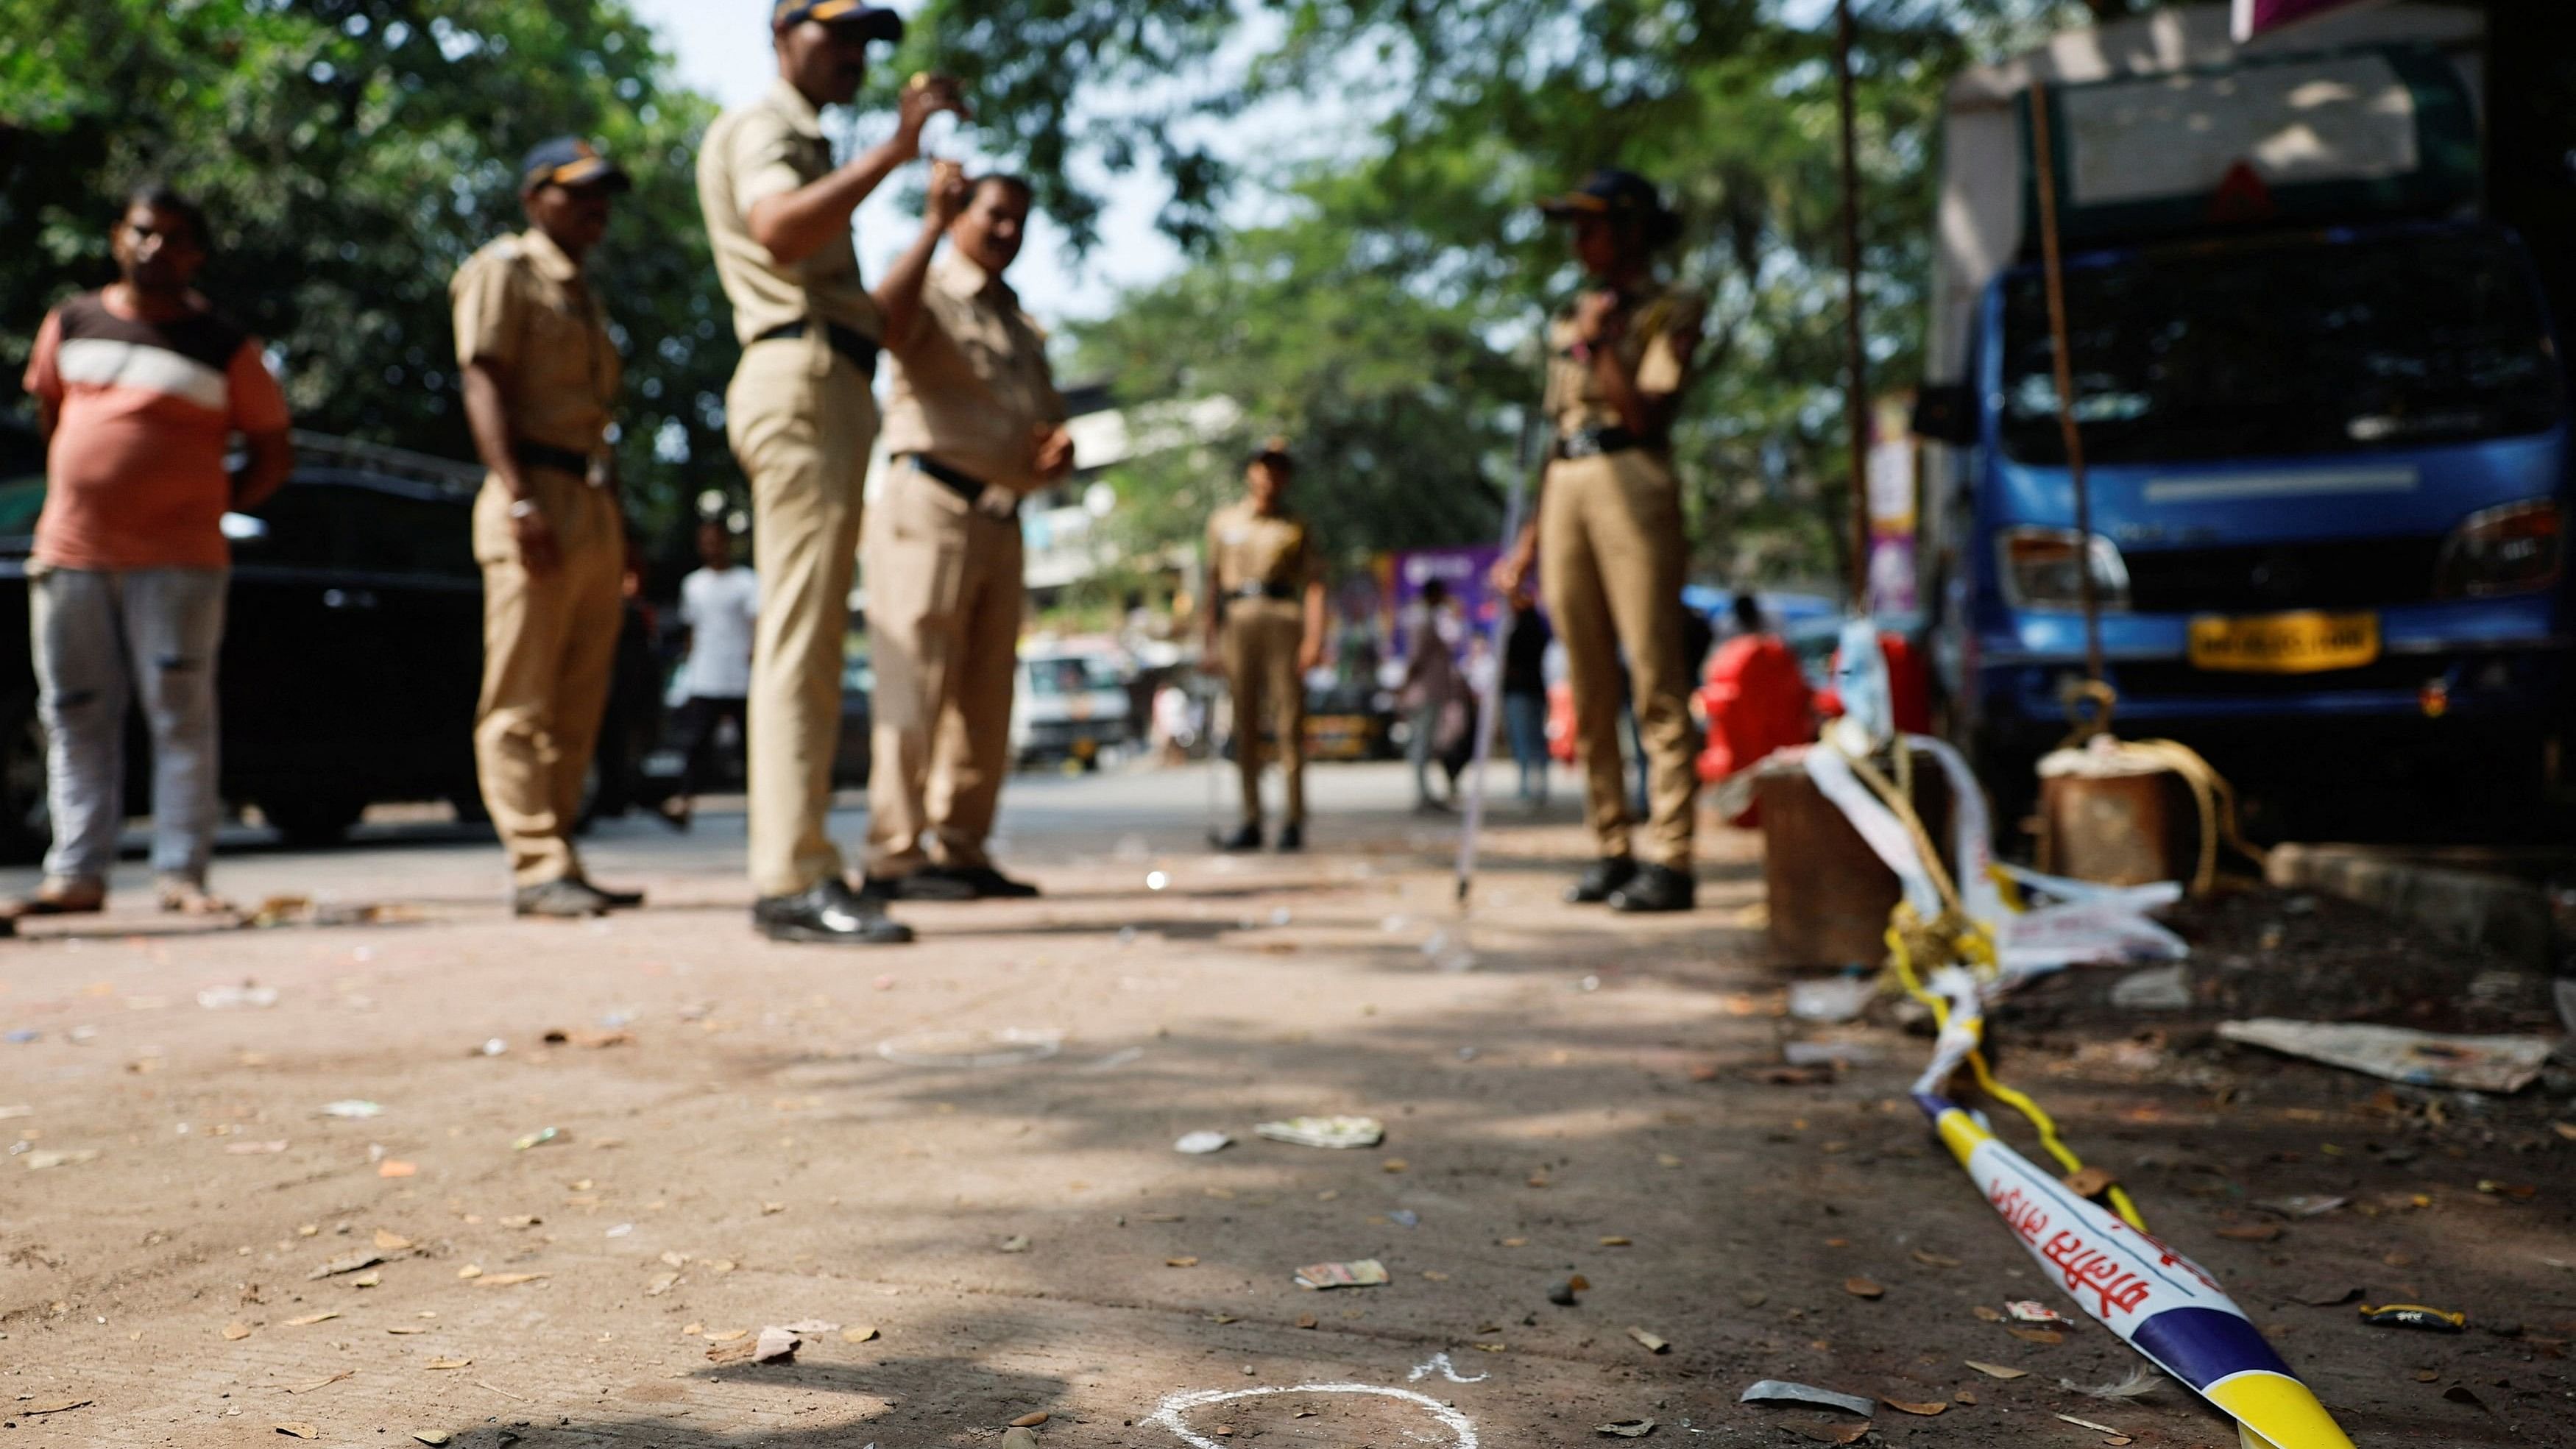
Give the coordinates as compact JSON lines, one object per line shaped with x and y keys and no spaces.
{"x":1424,"y":240}
{"x":352,"y":153}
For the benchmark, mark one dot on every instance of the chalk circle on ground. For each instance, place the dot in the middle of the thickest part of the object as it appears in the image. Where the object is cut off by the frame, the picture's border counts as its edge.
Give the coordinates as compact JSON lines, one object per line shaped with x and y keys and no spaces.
{"x":1011,"y":1046}
{"x":1174,"y":1410}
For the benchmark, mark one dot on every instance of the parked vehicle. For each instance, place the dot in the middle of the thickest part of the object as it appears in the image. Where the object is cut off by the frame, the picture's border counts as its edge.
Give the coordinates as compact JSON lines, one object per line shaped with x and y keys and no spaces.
{"x":2325,"y":420}
{"x":727,"y":768}
{"x":1351,"y":721}
{"x":1071,"y":704}
{"x":353,"y":645}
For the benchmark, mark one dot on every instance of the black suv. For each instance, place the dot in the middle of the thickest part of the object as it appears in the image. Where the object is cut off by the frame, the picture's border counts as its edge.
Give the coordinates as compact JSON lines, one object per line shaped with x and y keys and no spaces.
{"x":353,"y":644}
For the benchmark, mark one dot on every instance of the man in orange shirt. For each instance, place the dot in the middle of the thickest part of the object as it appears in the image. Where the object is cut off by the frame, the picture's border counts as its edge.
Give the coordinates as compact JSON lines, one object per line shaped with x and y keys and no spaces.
{"x":139,"y":389}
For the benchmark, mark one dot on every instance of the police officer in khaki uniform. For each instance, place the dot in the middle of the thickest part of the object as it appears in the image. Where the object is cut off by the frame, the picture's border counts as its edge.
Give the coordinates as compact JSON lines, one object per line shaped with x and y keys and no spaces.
{"x":1266,"y":621}
{"x":1608,"y":539}
{"x":801,"y":419}
{"x":973,"y":424}
{"x":541,"y":380}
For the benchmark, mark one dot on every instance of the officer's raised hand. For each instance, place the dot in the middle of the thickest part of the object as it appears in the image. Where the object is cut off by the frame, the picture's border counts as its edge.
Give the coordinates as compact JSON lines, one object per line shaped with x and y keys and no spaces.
{"x":949,"y":194}
{"x":925,"y":96}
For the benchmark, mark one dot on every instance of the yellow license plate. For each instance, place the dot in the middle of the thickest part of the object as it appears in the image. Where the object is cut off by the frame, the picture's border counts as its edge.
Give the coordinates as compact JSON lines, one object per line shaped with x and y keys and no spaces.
{"x":2305,"y":643}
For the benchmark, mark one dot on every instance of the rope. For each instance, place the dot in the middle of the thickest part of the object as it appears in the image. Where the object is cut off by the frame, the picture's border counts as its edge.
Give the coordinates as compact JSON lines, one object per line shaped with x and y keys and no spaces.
{"x":1958,"y":937}
{"x":2210,"y":792}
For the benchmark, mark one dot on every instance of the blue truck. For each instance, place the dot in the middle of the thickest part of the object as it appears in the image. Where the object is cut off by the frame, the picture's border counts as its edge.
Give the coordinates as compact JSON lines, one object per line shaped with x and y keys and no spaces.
{"x":2321,"y":404}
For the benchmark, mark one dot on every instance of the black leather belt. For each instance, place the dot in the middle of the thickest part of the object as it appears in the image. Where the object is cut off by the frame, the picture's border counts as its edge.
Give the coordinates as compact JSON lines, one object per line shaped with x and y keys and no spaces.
{"x":1596,"y":442}
{"x":1282,"y":592}
{"x":964,"y":485}
{"x":562,"y":460}
{"x":847,"y":341}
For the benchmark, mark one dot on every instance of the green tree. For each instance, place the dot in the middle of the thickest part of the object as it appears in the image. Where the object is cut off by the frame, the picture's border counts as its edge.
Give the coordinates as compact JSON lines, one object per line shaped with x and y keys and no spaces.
{"x":1382,"y":391}
{"x":352,"y":153}
{"x":1485,"y":105}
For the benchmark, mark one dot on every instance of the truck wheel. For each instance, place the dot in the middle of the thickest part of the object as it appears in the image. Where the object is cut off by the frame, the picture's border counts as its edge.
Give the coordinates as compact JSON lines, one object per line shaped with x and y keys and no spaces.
{"x":26,"y":816}
{"x":313,"y":820}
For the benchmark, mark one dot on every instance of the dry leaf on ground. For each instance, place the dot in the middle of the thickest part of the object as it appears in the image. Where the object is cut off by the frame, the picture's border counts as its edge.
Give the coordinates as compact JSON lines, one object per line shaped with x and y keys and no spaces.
{"x":310,"y":1319}
{"x":1924,"y":1410}
{"x":1649,"y":1342}
{"x":1996,"y":1370}
{"x":1863,"y":1288}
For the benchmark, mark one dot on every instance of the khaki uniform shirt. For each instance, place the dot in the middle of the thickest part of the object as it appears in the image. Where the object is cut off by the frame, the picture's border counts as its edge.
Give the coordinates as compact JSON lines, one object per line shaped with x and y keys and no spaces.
{"x":971,"y":386}
{"x":1246,"y":549}
{"x":1663,"y":333}
{"x":768,"y":148}
{"x":521,"y":303}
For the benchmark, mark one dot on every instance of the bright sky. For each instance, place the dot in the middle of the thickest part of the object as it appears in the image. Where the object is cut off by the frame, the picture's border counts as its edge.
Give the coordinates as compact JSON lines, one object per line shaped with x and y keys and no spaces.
{"x":722,"y":48}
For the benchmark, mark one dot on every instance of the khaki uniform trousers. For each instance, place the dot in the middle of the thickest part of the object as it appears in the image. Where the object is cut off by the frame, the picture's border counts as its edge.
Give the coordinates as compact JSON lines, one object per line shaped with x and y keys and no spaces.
{"x":1611,"y":560}
{"x":801,"y":419}
{"x":945,"y":597}
{"x":1262,"y":637}
{"x":549,"y":651}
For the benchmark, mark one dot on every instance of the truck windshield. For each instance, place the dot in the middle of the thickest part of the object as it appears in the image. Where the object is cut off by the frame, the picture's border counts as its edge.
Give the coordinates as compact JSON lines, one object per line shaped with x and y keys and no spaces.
{"x":2300,"y":348}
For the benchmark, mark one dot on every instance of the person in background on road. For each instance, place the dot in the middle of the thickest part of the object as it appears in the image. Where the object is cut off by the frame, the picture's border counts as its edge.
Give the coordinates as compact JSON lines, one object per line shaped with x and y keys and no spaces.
{"x":1608,"y":538}
{"x":801,"y":417}
{"x":720,"y":606}
{"x":1525,"y":695}
{"x":138,"y":391}
{"x":1266,"y":622}
{"x":541,"y":377}
{"x":1436,"y":692}
{"x":974,"y":425}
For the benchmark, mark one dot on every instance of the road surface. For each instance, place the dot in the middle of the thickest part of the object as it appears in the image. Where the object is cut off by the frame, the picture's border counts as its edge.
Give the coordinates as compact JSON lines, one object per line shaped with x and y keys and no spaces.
{"x":967,"y":1147}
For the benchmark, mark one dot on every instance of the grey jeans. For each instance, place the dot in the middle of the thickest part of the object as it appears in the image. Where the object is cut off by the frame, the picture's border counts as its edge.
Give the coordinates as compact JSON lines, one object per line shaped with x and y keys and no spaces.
{"x":100,"y":640}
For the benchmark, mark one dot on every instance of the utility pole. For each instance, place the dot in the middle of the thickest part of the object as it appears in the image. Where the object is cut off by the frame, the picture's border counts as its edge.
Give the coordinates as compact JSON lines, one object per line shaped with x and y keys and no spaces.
{"x":1856,"y":404}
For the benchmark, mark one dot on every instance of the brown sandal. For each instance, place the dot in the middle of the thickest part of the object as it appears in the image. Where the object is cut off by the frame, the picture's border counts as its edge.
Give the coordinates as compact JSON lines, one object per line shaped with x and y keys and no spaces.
{"x":62,"y":898}
{"x":188,"y":898}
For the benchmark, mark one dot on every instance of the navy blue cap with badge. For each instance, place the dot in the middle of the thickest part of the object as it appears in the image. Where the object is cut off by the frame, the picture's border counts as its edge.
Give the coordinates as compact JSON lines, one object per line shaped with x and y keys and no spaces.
{"x":1619,"y":196}
{"x":570,"y":161}
{"x":1607,"y":192}
{"x":871,"y":21}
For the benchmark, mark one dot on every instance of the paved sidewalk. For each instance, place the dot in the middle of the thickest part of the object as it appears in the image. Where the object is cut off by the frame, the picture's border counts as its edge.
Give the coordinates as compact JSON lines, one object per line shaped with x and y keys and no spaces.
{"x":752,"y":1135}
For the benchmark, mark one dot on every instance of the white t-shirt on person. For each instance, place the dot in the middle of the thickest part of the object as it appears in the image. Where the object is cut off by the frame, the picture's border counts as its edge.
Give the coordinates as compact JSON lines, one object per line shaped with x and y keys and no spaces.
{"x":719,"y":606}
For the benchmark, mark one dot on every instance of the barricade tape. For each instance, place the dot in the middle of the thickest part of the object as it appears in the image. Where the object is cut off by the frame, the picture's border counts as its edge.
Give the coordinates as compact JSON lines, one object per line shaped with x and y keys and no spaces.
{"x":2157,"y":1301}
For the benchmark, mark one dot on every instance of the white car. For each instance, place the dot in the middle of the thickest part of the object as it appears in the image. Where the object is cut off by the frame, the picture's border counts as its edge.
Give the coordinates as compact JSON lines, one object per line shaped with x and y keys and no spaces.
{"x":1071,"y":704}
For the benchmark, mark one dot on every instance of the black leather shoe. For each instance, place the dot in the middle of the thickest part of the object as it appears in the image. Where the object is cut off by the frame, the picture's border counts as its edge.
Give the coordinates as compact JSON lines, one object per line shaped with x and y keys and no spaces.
{"x":1655,"y":890}
{"x":827,"y":913}
{"x":987,"y":883}
{"x":1606,"y":875}
{"x":926,"y":884}
{"x":1292,"y":837}
{"x":1247,"y":838}
{"x":562,"y":900}
{"x":617,"y":900}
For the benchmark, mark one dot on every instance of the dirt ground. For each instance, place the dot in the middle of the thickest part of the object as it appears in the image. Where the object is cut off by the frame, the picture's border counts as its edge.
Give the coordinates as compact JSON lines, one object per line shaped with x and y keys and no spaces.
{"x":967,"y":1146}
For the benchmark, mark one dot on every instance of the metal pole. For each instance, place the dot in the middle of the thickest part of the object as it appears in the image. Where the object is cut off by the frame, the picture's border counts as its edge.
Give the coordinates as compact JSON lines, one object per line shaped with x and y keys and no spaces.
{"x":1489,"y":700}
{"x":1856,"y":404}
{"x":2044,"y":170}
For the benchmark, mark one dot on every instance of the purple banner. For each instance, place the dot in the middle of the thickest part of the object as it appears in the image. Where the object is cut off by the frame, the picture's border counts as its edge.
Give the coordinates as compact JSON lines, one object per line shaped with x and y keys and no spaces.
{"x":2262,"y":17}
